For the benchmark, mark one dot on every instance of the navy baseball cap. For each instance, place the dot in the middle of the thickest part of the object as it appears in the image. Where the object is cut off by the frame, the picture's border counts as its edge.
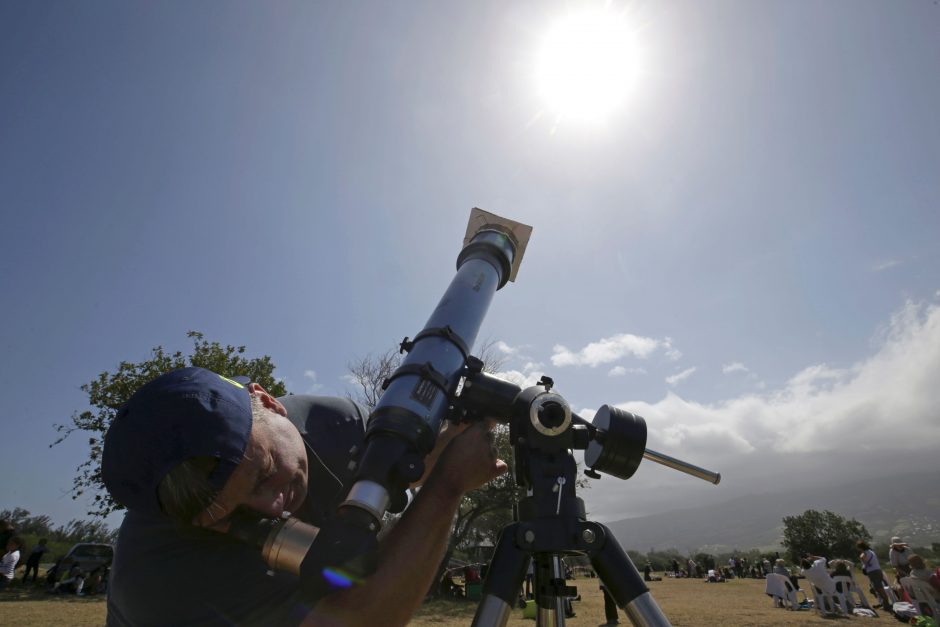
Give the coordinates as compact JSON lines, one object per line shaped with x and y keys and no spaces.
{"x":186,"y":413}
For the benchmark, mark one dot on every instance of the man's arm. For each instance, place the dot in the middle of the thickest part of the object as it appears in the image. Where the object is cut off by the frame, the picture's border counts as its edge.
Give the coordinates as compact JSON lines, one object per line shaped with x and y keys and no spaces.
{"x":412,"y":551}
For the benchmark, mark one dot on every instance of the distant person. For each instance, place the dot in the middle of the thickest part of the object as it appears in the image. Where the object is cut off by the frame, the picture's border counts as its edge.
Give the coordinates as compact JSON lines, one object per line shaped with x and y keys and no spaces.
{"x":74,"y":583}
{"x":872,"y":569}
{"x":9,"y":561}
{"x":32,"y":562}
{"x":899,"y":555}
{"x":675,"y":568}
{"x":529,"y":575}
{"x":646,"y":572}
{"x":449,"y":587}
{"x":97,"y":582}
{"x":781,"y":569}
{"x":813,"y":567}
{"x":470,"y":574}
{"x":920,"y":571}
{"x":840,"y":568}
{"x":610,"y":607}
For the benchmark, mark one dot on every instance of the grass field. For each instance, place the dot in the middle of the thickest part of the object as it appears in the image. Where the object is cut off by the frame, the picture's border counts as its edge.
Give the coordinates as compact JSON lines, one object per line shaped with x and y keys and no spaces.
{"x":737,"y":603}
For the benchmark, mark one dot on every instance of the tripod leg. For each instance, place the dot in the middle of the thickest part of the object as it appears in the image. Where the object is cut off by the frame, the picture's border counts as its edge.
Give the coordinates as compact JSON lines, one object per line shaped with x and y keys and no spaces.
{"x":549,"y":575}
{"x":503,"y":581}
{"x":617,"y":572}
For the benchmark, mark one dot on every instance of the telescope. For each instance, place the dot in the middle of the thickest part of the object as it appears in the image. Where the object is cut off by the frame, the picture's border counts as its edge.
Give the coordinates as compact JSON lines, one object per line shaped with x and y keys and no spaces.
{"x":439,"y":379}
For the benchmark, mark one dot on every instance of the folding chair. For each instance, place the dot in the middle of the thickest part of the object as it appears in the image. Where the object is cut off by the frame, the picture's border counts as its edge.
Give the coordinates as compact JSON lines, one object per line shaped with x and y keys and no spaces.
{"x":828,"y":604}
{"x":922,"y":596}
{"x":783,"y":592}
{"x":851,"y":594}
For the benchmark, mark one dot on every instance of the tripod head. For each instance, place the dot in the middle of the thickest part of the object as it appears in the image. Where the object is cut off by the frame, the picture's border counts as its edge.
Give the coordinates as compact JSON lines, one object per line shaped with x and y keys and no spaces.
{"x":541,"y":420}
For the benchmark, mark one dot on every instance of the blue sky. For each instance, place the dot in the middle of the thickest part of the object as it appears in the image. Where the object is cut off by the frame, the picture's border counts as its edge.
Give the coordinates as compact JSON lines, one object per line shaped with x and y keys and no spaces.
{"x":743,"y":250}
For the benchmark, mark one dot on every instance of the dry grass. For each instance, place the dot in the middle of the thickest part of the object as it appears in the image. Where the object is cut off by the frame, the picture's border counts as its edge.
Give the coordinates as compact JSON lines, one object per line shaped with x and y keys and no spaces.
{"x":737,"y":603}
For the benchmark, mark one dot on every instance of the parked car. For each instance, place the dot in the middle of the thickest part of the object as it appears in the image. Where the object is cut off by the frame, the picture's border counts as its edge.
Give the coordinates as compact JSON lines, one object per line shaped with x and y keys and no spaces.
{"x":86,"y":555}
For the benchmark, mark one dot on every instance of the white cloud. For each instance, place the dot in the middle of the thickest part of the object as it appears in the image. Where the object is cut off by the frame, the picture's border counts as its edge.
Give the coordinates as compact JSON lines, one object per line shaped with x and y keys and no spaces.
{"x":315,"y":386}
{"x":884,"y":265}
{"x":619,"y":371}
{"x":527,"y":377}
{"x":736,"y":366}
{"x":680,"y":377}
{"x":671,"y":352}
{"x":505,"y":348}
{"x":609,"y":349}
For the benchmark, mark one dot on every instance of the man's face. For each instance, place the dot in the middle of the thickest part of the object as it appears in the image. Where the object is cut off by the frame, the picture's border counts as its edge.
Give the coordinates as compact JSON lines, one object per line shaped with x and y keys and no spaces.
{"x":272,"y":476}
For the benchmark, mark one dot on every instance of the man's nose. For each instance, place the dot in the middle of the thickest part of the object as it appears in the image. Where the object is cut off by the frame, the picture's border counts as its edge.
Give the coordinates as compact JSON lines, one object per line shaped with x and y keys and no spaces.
{"x":268,"y":502}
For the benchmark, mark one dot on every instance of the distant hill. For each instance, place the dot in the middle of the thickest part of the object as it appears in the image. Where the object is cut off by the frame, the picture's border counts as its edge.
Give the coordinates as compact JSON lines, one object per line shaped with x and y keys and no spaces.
{"x":903,"y":505}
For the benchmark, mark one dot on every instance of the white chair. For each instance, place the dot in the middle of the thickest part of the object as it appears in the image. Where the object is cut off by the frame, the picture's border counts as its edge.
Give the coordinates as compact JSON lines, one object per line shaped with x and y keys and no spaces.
{"x":783,"y":592}
{"x":828,"y":604}
{"x":922,"y":595}
{"x":851,"y":594}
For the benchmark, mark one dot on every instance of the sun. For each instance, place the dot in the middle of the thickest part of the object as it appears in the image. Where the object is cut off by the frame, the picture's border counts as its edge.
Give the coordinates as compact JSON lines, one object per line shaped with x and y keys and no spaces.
{"x":587,"y":65}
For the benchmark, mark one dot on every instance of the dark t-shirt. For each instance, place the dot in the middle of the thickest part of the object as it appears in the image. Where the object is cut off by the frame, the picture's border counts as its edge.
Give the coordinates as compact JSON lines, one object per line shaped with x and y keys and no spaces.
{"x":165,"y":574}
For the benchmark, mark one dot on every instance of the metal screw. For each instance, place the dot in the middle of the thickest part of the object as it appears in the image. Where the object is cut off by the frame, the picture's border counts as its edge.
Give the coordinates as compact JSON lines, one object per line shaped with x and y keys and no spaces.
{"x":529,"y":536}
{"x":588,"y":535}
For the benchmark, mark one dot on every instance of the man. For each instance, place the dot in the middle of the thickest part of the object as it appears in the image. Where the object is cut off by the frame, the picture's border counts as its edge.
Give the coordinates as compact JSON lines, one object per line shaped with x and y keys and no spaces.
{"x":191,"y":448}
{"x":814,"y":569}
{"x":899,"y":555}
{"x":610,"y":606}
{"x":32,"y":563}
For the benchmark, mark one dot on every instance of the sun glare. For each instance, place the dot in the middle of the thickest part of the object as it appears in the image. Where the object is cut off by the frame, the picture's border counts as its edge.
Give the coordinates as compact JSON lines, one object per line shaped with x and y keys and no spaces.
{"x":586,"y":66}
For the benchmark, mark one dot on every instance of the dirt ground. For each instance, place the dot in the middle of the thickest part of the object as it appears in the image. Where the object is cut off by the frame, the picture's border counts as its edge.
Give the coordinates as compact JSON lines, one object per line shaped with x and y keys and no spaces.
{"x":737,"y":603}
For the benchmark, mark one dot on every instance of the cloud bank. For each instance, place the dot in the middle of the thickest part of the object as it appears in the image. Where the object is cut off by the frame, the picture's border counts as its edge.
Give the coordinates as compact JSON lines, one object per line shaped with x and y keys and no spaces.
{"x":825,"y":424}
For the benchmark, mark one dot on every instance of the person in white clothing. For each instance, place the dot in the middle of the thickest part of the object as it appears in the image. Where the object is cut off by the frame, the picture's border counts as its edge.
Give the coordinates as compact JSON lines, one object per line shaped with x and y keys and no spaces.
{"x":9,"y":561}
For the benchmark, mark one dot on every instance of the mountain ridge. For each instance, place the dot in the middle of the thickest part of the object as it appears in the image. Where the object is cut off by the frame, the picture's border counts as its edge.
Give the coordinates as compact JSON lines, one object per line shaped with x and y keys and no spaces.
{"x":907,"y":505}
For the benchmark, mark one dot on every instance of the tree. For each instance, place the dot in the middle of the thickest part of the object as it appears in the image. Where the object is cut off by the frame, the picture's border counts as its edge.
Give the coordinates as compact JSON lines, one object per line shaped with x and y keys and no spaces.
{"x":27,"y":524}
{"x":31,"y":528}
{"x":822,"y":533}
{"x":110,"y":390}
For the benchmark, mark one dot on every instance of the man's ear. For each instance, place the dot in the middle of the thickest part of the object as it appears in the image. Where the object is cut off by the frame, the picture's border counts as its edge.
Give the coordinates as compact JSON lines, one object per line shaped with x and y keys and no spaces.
{"x":267,"y":400}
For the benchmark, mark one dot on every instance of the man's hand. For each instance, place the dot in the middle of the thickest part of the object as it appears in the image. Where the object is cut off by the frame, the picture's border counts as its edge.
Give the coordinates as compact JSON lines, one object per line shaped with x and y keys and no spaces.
{"x":469,"y":459}
{"x":448,"y":432}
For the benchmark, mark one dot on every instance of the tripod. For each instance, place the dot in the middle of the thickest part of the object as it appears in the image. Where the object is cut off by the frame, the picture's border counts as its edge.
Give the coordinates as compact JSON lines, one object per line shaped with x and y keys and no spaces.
{"x":551,"y":520}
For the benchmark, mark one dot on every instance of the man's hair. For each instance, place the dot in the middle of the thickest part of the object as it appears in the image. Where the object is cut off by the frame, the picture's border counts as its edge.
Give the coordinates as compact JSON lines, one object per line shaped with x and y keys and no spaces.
{"x":862,"y":545}
{"x":185,"y":491}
